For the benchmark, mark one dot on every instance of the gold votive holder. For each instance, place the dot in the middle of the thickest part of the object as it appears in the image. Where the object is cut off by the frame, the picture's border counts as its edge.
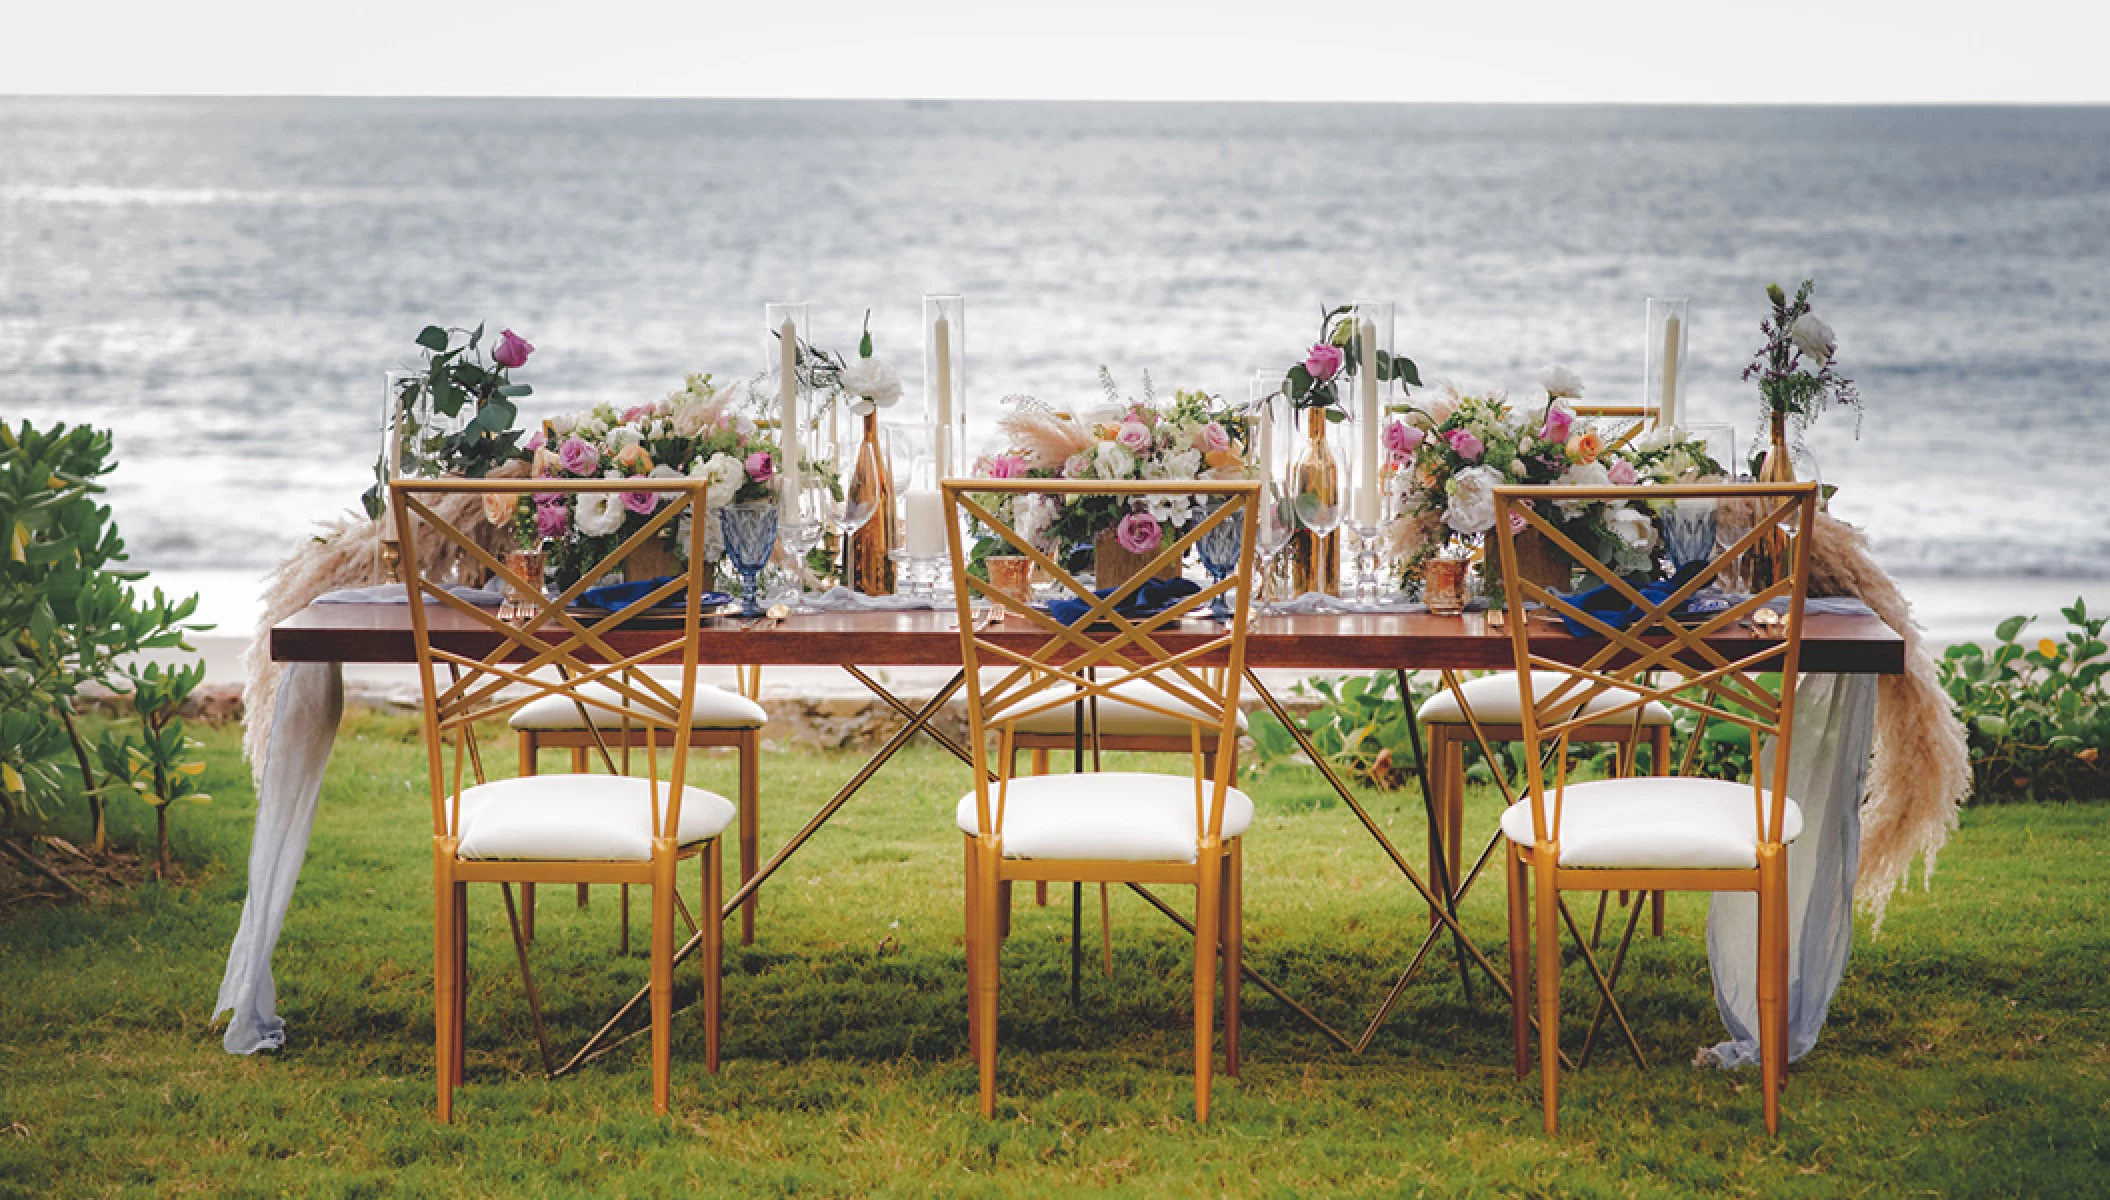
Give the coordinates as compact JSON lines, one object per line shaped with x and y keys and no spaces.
{"x":1012,"y":574}
{"x":1443,"y":585}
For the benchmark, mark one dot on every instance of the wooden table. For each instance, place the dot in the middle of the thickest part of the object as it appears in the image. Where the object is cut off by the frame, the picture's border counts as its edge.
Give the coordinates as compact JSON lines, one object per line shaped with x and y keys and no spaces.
{"x":381,"y":633}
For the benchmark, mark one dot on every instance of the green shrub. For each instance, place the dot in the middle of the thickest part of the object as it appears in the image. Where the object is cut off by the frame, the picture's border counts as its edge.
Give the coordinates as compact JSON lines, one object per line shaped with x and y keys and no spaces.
{"x":2036,"y":715}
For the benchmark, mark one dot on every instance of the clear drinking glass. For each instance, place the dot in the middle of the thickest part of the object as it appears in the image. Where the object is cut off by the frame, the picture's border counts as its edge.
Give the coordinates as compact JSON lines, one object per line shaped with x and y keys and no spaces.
{"x":800,"y":527}
{"x":750,"y":534}
{"x":1718,"y":439}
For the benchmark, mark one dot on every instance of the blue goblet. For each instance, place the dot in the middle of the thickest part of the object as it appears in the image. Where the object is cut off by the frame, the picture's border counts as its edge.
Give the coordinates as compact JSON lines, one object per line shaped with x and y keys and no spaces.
{"x":1219,"y":550}
{"x":750,"y":534}
{"x":1688,"y":531}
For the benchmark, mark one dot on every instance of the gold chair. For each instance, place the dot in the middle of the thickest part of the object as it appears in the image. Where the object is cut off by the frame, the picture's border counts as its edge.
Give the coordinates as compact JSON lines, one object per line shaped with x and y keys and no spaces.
{"x":1651,"y":834}
{"x":721,"y":718}
{"x":576,"y":828}
{"x":1110,"y":827}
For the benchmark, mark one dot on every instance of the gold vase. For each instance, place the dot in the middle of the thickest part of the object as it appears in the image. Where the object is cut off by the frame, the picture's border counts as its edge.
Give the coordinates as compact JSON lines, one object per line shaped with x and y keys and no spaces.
{"x":868,"y":566}
{"x":1315,"y":561}
{"x":1768,"y":561}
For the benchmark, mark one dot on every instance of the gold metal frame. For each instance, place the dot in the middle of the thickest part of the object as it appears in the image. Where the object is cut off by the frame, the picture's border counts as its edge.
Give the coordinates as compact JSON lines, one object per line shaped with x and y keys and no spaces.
{"x":546,"y":637}
{"x":1203,"y":679}
{"x":1658,"y":659}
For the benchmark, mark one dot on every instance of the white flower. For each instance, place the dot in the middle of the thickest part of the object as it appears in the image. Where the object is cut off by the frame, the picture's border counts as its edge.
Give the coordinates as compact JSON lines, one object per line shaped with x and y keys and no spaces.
{"x":1472,"y":506}
{"x":873,"y":382}
{"x":1113,"y":461}
{"x":1590,"y":475}
{"x":726,"y":475}
{"x":1184,"y":464}
{"x":1031,"y":516}
{"x":599,"y":513}
{"x":1561,"y":383}
{"x":1813,"y":337}
{"x":1174,"y":510}
{"x":621,"y":438}
{"x":1655,"y":439}
{"x":1439,"y":403}
{"x":1516,"y":467}
{"x":1631,"y":527}
{"x":561,"y":425}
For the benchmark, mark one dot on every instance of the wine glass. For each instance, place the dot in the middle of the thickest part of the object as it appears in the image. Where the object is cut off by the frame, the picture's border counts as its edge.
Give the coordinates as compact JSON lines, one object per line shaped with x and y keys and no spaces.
{"x":1275,"y":524}
{"x":1219,"y":549}
{"x":750,"y":534}
{"x":800,"y":527}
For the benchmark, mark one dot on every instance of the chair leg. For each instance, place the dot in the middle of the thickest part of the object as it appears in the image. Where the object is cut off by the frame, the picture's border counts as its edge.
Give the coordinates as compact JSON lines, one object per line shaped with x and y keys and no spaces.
{"x":1106,"y":932}
{"x":750,"y":829}
{"x":985,"y":983}
{"x":527,"y":914}
{"x":1546,"y":933}
{"x":461,"y":981}
{"x":1519,"y":955}
{"x":662,"y":986}
{"x":1772,"y":978}
{"x":578,"y":767}
{"x":1040,"y":767}
{"x":713,"y":955}
{"x":1233,"y":950}
{"x":1659,"y":763}
{"x":622,"y":945}
{"x":1208,"y":899}
{"x":444,"y":983}
{"x":1003,"y":910}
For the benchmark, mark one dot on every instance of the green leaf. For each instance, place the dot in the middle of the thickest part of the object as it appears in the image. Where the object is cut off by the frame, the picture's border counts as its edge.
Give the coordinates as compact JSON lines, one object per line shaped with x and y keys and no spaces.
{"x":2010,"y":627}
{"x":433,"y":338}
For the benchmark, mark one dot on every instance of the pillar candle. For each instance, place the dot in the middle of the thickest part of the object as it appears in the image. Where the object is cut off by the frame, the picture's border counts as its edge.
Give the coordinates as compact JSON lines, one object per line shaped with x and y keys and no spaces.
{"x":1667,"y":415}
{"x":1266,"y":461}
{"x":788,"y":407}
{"x":926,"y":524}
{"x":1367,"y":489}
{"x":941,"y":335}
{"x":394,"y":464}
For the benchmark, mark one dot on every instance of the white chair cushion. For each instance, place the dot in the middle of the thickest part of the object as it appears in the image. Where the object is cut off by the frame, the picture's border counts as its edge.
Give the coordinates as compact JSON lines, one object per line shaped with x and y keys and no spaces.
{"x":714,"y":708}
{"x":579,"y":818}
{"x":1497,"y":700}
{"x":1661,"y":821}
{"x":1128,"y":816}
{"x":1118,"y":718}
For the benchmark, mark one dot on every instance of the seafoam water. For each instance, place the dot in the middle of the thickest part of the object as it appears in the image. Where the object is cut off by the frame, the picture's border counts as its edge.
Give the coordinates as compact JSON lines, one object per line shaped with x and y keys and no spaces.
{"x":224,"y":281}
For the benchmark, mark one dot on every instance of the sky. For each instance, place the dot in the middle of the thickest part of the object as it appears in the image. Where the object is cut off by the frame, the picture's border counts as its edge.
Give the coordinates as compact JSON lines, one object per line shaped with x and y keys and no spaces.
{"x":1665,"y":51}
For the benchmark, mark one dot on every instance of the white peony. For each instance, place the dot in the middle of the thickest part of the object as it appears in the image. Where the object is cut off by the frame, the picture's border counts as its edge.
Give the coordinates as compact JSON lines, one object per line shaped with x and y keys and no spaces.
{"x":875,"y":384}
{"x":1472,"y":506}
{"x":1813,"y":337}
{"x":599,"y":513}
{"x":1561,"y":383}
{"x":1631,"y":527}
{"x":1112,"y":460}
{"x":1589,"y":475}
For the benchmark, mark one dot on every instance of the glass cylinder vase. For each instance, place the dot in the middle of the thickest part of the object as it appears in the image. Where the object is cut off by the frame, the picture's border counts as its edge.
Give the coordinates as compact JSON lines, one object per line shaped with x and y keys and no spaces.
{"x":1663,"y":360}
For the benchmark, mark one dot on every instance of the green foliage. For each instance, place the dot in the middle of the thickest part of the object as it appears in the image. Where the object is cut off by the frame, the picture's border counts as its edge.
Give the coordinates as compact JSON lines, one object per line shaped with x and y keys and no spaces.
{"x":71,"y":620}
{"x":2037,"y":715}
{"x":1359,"y":726}
{"x":1337,"y":328}
{"x":456,"y":376}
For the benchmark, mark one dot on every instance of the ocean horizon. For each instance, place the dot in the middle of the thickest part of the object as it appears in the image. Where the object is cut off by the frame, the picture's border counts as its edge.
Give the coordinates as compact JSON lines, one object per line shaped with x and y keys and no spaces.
{"x":224,"y":282}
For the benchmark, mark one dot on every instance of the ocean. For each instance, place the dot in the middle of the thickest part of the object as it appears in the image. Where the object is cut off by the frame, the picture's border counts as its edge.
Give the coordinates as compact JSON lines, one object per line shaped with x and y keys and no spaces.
{"x":224,"y":282}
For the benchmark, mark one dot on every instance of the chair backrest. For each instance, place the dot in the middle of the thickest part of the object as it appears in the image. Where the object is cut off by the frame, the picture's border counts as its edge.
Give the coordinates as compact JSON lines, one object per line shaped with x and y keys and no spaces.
{"x":1659,"y":656}
{"x":591,"y":657}
{"x":1198,"y":685}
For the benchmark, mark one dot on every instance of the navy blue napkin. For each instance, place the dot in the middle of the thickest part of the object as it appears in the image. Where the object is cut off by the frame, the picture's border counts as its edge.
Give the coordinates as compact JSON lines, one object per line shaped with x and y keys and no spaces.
{"x":613,"y":596}
{"x":1610,"y":605}
{"x":1149,"y":600}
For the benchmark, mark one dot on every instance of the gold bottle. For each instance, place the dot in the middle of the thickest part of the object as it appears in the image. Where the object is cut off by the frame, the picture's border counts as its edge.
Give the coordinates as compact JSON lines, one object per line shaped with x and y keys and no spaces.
{"x":868,"y":565}
{"x":1315,"y":561}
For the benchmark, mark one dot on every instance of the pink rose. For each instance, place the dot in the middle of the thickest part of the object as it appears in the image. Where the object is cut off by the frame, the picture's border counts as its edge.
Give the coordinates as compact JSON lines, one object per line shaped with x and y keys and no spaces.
{"x":1077,"y":466}
{"x":537,"y":442}
{"x":1007,"y":466}
{"x":641,"y":503}
{"x":1465,"y":445}
{"x":1135,"y":435}
{"x":552,"y":520}
{"x":1211,"y":439}
{"x":1138,"y":534}
{"x":1324,"y":361}
{"x":1622,"y":473}
{"x":1558,"y":421}
{"x":512,"y":350}
{"x":631,"y":415}
{"x":1401,"y":439}
{"x":761,"y":467}
{"x":578,"y":457}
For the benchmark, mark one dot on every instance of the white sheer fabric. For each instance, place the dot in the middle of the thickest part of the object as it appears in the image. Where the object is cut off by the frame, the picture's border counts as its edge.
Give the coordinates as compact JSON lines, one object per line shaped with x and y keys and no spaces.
{"x":1834,"y":725}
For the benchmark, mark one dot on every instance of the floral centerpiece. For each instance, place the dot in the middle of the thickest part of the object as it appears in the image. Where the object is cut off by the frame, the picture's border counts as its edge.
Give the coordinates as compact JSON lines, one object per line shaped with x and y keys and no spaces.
{"x":1315,"y":383}
{"x":1454,"y":447}
{"x":700,"y":431}
{"x":1796,"y":369}
{"x":455,"y":376}
{"x":1197,"y":436}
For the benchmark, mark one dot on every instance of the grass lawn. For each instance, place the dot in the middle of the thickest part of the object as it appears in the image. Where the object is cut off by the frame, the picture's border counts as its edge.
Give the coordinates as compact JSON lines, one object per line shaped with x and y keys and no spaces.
{"x":1968,"y":1052}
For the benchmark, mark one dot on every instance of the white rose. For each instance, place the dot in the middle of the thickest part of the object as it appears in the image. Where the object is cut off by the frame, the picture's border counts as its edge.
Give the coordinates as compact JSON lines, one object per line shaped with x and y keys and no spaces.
{"x":1561,"y":383}
{"x":562,"y":425}
{"x":873,"y":382}
{"x":1631,"y":527}
{"x":1472,"y":506}
{"x":1813,"y":337}
{"x":621,"y":438}
{"x":599,"y":513}
{"x":1516,"y":468}
{"x":1590,"y":475}
{"x":726,"y":476}
{"x":1184,"y":464}
{"x":1113,"y":461}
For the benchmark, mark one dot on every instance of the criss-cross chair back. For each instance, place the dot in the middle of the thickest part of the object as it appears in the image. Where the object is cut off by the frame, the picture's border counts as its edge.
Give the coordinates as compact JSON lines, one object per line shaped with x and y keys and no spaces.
{"x":1011,"y":679}
{"x":593,"y":660}
{"x":1658,"y":656}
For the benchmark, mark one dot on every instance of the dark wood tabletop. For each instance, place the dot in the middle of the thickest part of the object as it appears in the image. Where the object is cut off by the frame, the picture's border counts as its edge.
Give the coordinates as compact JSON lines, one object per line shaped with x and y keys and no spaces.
{"x":380,"y":633}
